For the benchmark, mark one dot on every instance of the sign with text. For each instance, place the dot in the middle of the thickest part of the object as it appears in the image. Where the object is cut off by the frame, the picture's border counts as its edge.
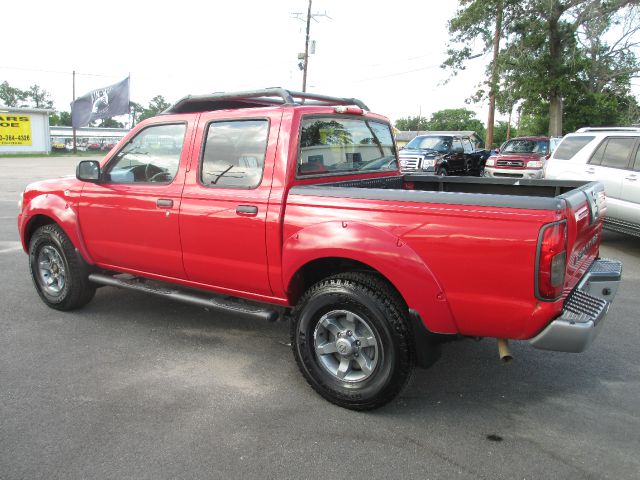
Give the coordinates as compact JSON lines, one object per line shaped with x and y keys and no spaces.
{"x":15,"y":129}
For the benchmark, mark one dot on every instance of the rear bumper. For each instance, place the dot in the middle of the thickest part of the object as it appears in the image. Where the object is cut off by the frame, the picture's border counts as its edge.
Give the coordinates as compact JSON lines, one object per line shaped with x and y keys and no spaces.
{"x":584,"y":310}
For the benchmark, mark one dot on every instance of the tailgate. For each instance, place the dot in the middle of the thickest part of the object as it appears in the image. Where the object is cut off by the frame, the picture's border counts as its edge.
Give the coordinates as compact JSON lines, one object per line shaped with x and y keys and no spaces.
{"x":586,"y":207}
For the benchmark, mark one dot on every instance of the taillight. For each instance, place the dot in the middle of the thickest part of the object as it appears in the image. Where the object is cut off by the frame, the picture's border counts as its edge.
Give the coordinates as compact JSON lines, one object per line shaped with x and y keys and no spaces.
{"x":552,"y":260}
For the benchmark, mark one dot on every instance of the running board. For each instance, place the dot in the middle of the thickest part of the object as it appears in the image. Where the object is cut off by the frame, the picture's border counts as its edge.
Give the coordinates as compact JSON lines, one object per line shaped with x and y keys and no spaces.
{"x":201,"y":299}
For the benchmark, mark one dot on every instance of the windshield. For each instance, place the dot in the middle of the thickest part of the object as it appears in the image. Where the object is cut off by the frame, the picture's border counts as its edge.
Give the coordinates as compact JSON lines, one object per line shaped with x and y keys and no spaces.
{"x":342,"y":145}
{"x":437,"y":143}
{"x":540,"y":147}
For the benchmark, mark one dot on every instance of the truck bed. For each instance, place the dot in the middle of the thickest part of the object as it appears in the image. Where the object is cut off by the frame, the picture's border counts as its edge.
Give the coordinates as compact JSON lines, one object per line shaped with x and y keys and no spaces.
{"x":514,"y":193}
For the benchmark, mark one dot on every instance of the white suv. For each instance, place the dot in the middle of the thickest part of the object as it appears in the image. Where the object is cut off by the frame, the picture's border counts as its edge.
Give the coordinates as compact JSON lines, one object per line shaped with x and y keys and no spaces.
{"x":611,"y":155}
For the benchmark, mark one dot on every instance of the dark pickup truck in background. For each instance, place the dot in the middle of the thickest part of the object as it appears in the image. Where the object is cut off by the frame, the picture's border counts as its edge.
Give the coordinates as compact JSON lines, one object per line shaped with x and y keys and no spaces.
{"x":290,"y":205}
{"x":444,"y":153}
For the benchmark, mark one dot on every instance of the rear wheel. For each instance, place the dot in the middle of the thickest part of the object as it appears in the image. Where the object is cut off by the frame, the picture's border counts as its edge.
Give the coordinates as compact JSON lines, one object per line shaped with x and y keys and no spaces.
{"x":351,"y":340}
{"x":58,"y":272}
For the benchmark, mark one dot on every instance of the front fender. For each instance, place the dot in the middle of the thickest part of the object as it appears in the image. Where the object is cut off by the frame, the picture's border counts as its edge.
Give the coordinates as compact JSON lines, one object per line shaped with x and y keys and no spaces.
{"x":380,"y":250}
{"x":58,"y":210}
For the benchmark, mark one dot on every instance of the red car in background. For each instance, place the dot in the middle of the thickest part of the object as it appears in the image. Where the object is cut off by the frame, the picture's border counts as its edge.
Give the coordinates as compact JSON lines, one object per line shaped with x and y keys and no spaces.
{"x":521,"y":157}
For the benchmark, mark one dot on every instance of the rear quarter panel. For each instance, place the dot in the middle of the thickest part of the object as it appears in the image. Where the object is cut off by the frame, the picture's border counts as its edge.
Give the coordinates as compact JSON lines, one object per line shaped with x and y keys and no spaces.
{"x":477,"y":262}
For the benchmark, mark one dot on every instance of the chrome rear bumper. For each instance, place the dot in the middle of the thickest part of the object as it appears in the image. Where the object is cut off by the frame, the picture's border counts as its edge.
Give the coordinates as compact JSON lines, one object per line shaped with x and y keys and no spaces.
{"x":584,"y":310}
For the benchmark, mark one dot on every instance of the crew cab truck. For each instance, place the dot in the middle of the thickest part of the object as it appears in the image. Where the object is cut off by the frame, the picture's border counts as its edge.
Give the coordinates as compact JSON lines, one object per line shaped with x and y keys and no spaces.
{"x":444,"y":153}
{"x":279,"y":204}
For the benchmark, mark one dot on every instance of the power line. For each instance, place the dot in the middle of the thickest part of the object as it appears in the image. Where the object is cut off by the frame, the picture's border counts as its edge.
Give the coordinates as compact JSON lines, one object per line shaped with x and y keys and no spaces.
{"x":397,"y":74}
{"x":58,"y":72}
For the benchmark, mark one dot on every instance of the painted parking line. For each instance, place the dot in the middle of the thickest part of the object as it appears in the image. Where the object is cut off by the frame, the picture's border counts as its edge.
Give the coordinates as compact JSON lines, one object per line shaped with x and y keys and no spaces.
{"x":6,"y":247}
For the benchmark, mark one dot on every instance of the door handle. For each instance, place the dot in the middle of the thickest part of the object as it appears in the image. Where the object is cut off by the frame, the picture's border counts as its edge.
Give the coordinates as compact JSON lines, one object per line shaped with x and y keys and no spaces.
{"x":164,"y":203}
{"x":590,"y":170}
{"x":631,"y":178}
{"x":247,"y":210}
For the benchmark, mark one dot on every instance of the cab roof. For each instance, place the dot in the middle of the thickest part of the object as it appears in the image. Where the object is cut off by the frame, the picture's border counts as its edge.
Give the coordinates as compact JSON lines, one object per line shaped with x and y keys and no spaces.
{"x":275,"y":96}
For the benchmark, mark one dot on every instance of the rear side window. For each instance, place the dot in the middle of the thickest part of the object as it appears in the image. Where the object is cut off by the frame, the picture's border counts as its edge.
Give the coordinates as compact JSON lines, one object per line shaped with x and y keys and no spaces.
{"x":636,"y":163}
{"x":570,"y":146}
{"x":614,"y":152}
{"x":234,"y":154}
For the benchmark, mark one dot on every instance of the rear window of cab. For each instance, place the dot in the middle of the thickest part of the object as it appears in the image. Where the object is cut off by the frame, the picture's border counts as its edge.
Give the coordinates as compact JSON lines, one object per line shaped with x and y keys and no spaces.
{"x":336,"y":145}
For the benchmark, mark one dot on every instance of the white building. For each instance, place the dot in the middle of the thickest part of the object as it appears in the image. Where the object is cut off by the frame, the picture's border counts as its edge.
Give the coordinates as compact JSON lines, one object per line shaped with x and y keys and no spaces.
{"x":87,"y":138}
{"x":24,"y":130}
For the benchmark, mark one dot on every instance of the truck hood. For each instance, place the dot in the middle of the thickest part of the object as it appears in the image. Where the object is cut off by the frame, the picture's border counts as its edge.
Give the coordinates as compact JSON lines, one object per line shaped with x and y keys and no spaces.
{"x":69,"y":182}
{"x":518,"y":156}
{"x":418,"y":151}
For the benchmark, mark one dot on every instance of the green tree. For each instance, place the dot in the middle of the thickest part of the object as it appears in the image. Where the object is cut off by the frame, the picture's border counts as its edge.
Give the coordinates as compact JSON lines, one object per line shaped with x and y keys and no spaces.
{"x":456,"y":119}
{"x":39,"y":97}
{"x":412,"y":124}
{"x":156,"y":106}
{"x":110,"y":123}
{"x":11,"y":96}
{"x":549,"y":46}
{"x":500,"y":133}
{"x":135,"y":110}
{"x":60,"y":119}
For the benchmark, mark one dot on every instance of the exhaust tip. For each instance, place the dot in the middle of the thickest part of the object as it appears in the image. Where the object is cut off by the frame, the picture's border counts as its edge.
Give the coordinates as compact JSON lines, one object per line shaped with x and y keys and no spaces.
{"x":503,"y":351}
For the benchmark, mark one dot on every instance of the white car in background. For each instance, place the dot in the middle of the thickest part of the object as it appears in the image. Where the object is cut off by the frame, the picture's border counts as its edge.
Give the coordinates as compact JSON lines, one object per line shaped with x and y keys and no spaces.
{"x":608,"y":154}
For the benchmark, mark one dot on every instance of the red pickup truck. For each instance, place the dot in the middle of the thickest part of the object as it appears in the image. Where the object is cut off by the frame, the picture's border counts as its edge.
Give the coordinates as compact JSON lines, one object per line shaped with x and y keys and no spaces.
{"x":290,"y":205}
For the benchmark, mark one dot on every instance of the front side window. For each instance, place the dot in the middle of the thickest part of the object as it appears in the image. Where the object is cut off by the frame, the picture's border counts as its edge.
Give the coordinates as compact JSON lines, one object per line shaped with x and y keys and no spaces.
{"x":152,"y":156}
{"x":466,"y":143}
{"x":341,"y":145}
{"x":457,"y":145}
{"x":234,"y":154}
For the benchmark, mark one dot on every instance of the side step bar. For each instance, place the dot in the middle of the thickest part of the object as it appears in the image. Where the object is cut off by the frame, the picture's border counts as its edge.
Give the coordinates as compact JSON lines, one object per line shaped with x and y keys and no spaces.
{"x":201,"y":299}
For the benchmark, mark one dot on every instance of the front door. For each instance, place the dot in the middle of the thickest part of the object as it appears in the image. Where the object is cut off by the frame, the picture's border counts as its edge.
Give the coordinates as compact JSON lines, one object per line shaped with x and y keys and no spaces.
{"x":130,"y":219}
{"x":224,"y":204}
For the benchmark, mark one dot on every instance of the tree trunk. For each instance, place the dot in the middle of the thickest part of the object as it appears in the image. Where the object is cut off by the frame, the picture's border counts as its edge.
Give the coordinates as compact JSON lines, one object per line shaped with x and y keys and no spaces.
{"x":555,"y":60}
{"x":494,"y":79}
{"x":555,"y":116}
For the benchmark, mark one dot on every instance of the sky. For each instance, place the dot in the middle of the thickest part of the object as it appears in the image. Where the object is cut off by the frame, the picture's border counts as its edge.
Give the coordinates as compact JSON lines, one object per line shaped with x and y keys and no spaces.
{"x":387,"y":54}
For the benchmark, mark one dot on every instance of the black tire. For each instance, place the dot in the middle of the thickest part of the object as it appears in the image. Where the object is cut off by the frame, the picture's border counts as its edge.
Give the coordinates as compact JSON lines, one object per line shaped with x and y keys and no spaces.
{"x":441,"y":172}
{"x":68,"y":272}
{"x":380,"y":311}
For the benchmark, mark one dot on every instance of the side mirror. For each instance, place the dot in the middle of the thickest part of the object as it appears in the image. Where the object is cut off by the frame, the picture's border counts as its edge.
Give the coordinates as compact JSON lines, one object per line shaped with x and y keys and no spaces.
{"x":88,"y":171}
{"x":458,"y":150}
{"x":497,"y":150}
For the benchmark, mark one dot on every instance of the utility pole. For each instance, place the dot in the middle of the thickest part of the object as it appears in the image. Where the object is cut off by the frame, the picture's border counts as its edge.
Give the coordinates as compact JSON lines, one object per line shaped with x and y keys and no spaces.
{"x":306,"y":50}
{"x":305,"y":57}
{"x":75,"y":149}
{"x":494,"y":79}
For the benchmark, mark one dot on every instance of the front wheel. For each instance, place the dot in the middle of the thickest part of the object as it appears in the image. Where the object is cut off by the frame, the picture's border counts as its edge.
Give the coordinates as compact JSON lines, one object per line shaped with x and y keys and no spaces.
{"x":351,"y":340}
{"x":58,"y":273}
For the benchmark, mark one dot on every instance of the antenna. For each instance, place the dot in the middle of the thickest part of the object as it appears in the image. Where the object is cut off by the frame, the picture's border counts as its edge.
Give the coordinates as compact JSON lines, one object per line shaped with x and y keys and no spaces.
{"x":303,"y":64}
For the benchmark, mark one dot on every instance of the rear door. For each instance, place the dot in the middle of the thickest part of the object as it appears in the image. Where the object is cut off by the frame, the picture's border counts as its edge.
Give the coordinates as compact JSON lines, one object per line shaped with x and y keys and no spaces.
{"x":224,"y":203}
{"x":456,"y":158}
{"x":610,"y":164}
{"x":631,"y":189}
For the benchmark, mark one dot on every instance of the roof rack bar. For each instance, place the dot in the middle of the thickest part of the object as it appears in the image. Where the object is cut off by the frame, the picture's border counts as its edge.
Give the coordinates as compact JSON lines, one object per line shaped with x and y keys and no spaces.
{"x":267,"y":96}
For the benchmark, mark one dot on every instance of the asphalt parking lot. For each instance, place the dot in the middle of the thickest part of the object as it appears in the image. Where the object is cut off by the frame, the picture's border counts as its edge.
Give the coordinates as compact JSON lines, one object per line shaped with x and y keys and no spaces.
{"x":138,"y":387}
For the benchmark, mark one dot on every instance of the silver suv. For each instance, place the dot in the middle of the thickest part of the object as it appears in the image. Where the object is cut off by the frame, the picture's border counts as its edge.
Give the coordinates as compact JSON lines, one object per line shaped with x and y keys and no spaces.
{"x":608,"y":154}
